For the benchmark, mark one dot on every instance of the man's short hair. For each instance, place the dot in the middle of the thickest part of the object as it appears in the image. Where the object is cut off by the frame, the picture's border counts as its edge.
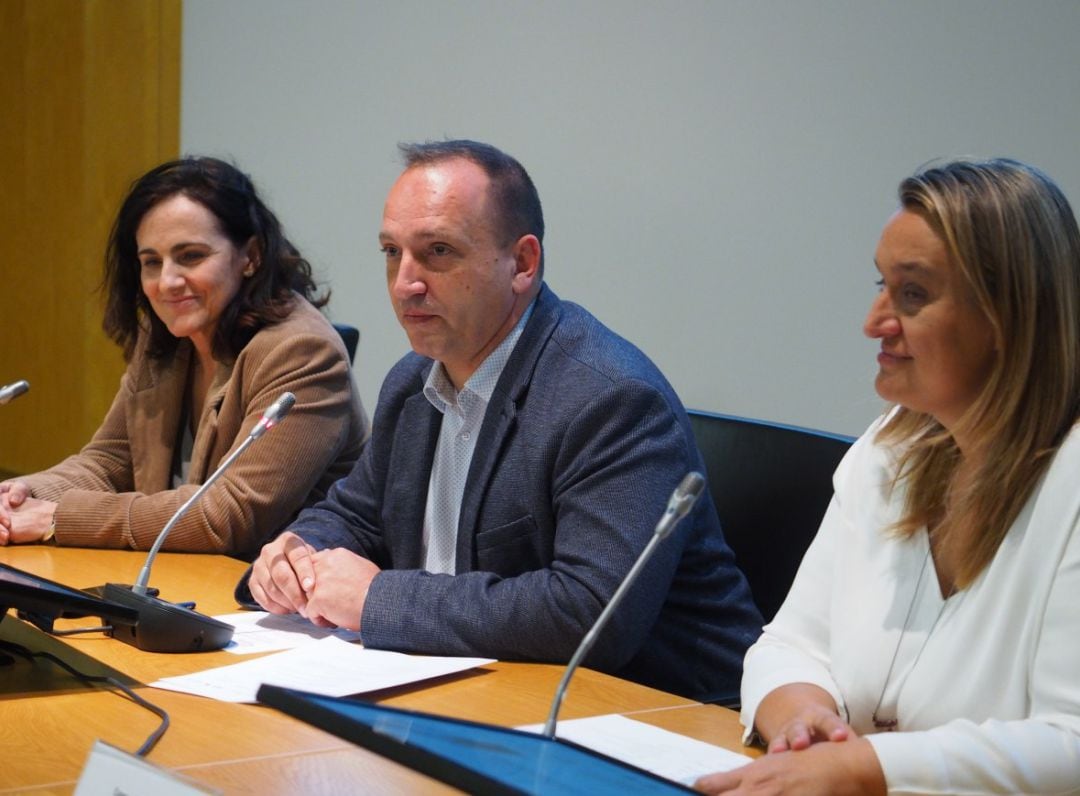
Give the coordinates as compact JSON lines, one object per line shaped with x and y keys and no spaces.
{"x":513,"y":196}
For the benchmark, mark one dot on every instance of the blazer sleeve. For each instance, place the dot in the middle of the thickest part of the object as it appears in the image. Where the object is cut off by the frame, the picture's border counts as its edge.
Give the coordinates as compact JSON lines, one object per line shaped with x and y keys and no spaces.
{"x":260,"y":492}
{"x":619,"y":459}
{"x":103,"y":465}
{"x":351,"y":514}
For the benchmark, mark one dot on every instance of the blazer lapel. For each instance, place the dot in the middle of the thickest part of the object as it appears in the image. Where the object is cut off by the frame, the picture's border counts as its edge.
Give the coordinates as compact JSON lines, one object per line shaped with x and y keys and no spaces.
{"x":412,"y":454}
{"x":498,"y":422}
{"x":500,"y":418}
{"x":205,"y":447}
{"x":157,"y":408}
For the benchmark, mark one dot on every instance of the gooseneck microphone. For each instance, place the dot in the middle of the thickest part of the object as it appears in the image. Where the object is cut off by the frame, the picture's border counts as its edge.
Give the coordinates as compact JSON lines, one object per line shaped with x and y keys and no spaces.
{"x":679,"y":505}
{"x":9,"y":392}
{"x":167,"y":627}
{"x":271,"y":417}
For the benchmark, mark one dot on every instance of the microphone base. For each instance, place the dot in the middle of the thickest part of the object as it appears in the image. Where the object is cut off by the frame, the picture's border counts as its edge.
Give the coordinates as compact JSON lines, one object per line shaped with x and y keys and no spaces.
{"x":163,"y":626}
{"x":99,"y":591}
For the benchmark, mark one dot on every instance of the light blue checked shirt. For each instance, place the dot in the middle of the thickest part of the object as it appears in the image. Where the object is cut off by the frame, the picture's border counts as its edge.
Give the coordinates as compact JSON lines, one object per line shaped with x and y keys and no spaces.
{"x":463,"y":413}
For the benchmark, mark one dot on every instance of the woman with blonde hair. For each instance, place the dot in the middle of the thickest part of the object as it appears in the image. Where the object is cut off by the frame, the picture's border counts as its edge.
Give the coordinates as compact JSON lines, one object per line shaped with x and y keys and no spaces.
{"x":931,"y":640}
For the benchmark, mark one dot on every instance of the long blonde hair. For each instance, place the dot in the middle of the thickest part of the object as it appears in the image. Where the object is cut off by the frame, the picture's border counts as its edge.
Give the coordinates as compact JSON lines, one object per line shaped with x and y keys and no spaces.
{"x":1013,"y":235}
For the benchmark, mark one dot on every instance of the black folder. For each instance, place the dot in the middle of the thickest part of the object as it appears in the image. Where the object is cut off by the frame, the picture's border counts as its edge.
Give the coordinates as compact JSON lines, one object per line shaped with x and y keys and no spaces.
{"x":477,"y":758}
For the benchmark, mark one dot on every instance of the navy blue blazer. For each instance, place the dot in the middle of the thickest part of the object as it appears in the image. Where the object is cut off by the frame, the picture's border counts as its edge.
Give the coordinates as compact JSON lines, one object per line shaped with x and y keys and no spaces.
{"x":581,"y":446}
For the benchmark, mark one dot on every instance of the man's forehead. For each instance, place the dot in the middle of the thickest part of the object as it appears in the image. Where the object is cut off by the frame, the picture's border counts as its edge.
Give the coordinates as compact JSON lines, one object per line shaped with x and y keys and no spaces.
{"x":452,"y":178}
{"x":431,"y":199}
{"x":433,"y":178}
{"x":419,"y":230}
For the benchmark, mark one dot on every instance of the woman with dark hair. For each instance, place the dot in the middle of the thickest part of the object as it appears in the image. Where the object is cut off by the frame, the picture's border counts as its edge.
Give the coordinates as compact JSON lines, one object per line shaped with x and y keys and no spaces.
{"x":931,"y":642}
{"x":217,"y":315}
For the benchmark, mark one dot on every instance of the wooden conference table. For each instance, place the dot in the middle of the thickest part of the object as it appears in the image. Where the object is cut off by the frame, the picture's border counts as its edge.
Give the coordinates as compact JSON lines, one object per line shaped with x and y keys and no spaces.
{"x":49,"y":720}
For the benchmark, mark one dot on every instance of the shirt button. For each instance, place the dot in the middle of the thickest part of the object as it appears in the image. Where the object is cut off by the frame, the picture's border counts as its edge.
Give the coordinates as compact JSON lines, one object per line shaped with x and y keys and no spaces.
{"x":465,"y":435}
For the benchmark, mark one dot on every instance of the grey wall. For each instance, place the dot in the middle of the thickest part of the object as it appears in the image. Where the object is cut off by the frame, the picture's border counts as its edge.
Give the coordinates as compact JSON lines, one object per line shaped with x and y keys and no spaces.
{"x":714,"y":174}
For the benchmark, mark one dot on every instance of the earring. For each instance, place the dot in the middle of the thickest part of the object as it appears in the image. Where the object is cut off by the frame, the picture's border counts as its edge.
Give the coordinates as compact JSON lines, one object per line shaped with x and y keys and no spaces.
{"x":249,"y":270}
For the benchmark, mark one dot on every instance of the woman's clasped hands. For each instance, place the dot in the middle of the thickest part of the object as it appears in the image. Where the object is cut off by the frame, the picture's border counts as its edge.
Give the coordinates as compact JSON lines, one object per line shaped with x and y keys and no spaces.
{"x":23,"y":518}
{"x":811,"y":750}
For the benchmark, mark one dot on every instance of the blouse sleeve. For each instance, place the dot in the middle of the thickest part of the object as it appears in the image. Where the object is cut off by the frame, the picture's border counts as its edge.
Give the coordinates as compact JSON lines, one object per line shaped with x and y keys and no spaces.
{"x":1037,"y":754}
{"x":795,"y":646}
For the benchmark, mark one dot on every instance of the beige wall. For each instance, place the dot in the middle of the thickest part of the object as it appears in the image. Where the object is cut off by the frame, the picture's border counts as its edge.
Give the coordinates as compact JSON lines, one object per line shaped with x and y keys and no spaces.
{"x":715,"y":173}
{"x":89,"y":91}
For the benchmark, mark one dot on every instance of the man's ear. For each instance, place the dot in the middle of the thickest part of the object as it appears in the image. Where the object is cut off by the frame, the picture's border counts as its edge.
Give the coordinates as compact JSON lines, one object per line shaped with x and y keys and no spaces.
{"x":526,"y":253}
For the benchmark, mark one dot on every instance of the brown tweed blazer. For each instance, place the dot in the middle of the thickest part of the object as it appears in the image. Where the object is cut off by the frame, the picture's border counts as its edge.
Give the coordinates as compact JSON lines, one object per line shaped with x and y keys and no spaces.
{"x":117,"y":492}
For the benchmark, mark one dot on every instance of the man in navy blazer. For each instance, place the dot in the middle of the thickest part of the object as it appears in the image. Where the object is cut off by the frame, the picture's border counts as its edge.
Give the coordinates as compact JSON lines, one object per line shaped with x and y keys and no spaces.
{"x":519,"y":460}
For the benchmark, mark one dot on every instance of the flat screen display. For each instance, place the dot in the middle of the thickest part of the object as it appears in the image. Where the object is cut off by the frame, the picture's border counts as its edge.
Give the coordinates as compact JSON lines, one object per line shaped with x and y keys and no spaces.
{"x":478,"y":758}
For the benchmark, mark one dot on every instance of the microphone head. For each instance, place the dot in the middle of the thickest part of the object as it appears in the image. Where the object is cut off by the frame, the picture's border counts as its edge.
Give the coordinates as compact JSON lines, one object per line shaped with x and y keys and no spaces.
{"x":279,"y":408}
{"x":680,"y":502}
{"x":12,"y":391}
{"x":691,"y":485}
{"x":274,"y":414}
{"x":685,"y":495}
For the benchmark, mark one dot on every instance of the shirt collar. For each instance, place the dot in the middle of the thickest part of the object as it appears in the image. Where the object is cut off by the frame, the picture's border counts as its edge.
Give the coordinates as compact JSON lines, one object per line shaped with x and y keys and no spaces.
{"x":439,"y":390}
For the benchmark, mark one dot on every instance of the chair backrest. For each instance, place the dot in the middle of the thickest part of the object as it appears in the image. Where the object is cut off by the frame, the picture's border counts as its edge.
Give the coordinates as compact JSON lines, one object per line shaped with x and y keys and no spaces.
{"x":771,"y":484}
{"x":351,"y":337}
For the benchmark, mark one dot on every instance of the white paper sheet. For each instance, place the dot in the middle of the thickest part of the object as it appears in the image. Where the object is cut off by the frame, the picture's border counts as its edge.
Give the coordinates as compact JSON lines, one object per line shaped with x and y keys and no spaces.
{"x":259,"y":631}
{"x":665,"y":753}
{"x":330,"y":666}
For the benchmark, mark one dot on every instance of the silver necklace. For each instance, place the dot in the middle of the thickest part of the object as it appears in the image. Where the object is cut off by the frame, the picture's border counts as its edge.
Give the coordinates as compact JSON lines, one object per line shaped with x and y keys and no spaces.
{"x":890,"y":724}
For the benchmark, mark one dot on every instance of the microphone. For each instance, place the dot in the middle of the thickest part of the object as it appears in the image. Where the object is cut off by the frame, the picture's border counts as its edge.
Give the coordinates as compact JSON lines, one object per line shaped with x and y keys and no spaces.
{"x":165,"y":626}
{"x":271,"y":417}
{"x":12,"y":391}
{"x":679,"y":505}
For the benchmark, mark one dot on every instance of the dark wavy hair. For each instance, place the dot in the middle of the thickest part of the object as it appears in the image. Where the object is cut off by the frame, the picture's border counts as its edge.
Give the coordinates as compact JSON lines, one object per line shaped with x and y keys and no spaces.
{"x":512,"y":193}
{"x":264,"y":298}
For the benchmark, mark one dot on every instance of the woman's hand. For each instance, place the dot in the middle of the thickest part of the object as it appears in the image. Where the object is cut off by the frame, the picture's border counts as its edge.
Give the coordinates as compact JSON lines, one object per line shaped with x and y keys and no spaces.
{"x":12,"y":494}
{"x":283,"y":576}
{"x":812,"y":724}
{"x":23,"y":519}
{"x":825,"y":769}
{"x":795,"y":716}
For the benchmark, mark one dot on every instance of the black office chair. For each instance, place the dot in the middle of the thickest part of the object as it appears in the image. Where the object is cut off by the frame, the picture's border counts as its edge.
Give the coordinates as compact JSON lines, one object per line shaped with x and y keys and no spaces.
{"x":771,"y":484}
{"x":351,"y":337}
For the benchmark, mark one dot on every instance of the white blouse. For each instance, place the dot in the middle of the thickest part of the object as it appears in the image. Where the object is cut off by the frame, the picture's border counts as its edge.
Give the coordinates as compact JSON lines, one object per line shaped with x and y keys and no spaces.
{"x":986,"y":684}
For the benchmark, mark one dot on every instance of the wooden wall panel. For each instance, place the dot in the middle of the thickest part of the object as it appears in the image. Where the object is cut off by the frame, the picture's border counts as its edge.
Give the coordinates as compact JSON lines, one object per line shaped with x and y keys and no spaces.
{"x":89,"y":100}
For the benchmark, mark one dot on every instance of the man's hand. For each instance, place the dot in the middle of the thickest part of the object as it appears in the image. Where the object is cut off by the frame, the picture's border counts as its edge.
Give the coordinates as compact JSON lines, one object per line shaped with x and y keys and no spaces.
{"x":283,"y":575}
{"x":342,"y":580}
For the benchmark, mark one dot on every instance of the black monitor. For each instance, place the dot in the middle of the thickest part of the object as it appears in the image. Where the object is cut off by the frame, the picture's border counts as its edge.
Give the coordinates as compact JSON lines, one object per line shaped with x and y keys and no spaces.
{"x":40,"y":600}
{"x":477,"y":758}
